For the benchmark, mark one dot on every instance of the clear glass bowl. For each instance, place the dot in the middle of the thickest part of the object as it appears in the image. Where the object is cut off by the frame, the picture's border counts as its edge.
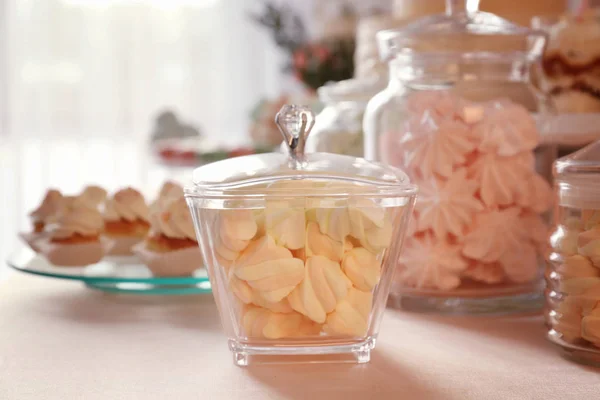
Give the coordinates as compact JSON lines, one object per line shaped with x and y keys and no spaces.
{"x":458,"y":115}
{"x":338,"y":128}
{"x":573,"y":272}
{"x":300,"y":249}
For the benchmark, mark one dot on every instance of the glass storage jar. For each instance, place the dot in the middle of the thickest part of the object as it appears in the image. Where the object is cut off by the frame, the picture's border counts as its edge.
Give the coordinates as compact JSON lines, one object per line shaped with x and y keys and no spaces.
{"x":300,"y":249}
{"x":338,"y":128}
{"x":457,"y":116}
{"x":573,"y":272}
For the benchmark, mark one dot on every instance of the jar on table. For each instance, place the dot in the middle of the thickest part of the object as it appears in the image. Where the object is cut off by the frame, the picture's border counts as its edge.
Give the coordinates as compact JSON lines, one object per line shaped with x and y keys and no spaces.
{"x":458,"y":117}
{"x":338,"y":127}
{"x":573,"y":273}
{"x":300,"y":248}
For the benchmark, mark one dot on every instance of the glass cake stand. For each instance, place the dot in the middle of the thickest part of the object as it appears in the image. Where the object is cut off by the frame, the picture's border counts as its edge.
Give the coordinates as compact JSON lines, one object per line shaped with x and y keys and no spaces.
{"x":112,"y":274}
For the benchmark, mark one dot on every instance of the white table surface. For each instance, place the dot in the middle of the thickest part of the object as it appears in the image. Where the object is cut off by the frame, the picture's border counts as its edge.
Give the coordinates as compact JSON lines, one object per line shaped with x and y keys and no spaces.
{"x":59,"y":340}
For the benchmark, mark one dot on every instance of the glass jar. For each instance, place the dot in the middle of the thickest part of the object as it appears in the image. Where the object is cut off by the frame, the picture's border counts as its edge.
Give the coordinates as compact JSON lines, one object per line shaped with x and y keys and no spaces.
{"x":338,"y":128}
{"x":457,"y":116}
{"x":573,"y":273}
{"x":300,"y":249}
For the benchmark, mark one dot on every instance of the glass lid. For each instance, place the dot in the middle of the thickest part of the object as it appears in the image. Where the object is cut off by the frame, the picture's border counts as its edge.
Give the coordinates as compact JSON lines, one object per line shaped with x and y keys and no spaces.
{"x":463,"y":32}
{"x":578,"y":177}
{"x":257,"y":174}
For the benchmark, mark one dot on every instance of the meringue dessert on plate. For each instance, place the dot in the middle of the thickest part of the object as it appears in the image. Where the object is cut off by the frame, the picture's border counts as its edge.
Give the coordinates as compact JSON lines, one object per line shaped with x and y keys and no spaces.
{"x":126,"y":220}
{"x":46,"y":213}
{"x":75,"y":239}
{"x":171,"y":248}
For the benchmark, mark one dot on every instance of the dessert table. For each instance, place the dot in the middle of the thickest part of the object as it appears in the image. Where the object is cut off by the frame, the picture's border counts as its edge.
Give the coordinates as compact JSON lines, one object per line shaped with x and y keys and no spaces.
{"x":59,"y":340}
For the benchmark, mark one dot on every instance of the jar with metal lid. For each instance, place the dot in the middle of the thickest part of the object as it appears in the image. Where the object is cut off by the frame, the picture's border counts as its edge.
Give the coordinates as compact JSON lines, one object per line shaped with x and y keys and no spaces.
{"x":573,"y":273}
{"x":300,"y":248}
{"x":338,"y":127}
{"x":458,"y":115}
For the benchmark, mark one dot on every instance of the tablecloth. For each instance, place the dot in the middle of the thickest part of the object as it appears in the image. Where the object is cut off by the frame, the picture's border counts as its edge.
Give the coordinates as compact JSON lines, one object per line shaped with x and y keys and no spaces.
{"x":59,"y":340}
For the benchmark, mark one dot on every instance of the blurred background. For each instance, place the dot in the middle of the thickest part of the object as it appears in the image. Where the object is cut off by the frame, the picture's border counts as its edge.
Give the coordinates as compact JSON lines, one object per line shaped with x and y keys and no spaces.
{"x":103,"y":91}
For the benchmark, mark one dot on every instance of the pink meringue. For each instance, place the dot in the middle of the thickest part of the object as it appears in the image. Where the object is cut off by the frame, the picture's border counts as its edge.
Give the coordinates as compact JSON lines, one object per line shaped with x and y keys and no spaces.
{"x":491,"y":273}
{"x":431,"y":147}
{"x":521,"y":263}
{"x":536,"y":194}
{"x":435,"y":104}
{"x":501,"y":179}
{"x":506,"y":129}
{"x":430,"y":263}
{"x":495,"y":233}
{"x":447,"y":207}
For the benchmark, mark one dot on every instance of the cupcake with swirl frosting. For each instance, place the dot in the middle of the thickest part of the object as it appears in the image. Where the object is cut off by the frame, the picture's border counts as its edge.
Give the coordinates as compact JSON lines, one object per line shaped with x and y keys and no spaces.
{"x":126,"y":220}
{"x":75,"y":239}
{"x":171,"y":248}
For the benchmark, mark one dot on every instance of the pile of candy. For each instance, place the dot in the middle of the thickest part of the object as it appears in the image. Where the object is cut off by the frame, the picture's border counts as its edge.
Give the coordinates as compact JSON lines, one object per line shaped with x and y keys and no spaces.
{"x":477,"y":216}
{"x":297,"y":271}
{"x":575,"y":279}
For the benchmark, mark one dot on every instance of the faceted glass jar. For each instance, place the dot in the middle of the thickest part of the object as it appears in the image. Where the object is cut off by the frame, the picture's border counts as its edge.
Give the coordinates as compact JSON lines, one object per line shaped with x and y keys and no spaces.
{"x":300,"y":249}
{"x":338,"y":128}
{"x":573,"y":273}
{"x":458,"y":117}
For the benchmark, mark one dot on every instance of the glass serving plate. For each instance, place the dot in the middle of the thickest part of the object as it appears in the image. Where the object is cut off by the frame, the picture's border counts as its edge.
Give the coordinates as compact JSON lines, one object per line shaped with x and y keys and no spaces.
{"x":112,"y":274}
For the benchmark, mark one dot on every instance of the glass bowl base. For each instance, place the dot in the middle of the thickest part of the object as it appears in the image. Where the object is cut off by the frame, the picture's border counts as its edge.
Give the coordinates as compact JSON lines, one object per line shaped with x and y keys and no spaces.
{"x":356,"y":353}
{"x":522,"y":303}
{"x":150,"y":289}
{"x":582,"y":354}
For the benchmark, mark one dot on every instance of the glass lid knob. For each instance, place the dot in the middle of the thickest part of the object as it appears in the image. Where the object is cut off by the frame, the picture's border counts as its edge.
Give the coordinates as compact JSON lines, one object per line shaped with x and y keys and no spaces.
{"x":295,"y":123}
{"x":453,"y":7}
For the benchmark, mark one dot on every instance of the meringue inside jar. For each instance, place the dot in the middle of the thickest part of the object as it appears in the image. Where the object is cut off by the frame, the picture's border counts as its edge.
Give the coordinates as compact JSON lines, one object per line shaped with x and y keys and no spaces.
{"x":459,"y":116}
{"x":300,"y":256}
{"x":573,"y":271}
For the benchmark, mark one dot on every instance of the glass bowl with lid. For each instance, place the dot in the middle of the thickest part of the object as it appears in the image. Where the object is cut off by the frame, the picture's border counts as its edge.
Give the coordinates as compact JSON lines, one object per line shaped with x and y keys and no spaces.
{"x":459,"y":117}
{"x":573,"y":272}
{"x":300,"y":248}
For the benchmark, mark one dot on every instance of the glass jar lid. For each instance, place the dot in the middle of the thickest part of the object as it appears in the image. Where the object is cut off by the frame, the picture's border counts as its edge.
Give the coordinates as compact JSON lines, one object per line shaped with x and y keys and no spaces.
{"x":463,"y":32}
{"x":257,"y":174}
{"x":578,"y":177}
{"x":359,"y":90}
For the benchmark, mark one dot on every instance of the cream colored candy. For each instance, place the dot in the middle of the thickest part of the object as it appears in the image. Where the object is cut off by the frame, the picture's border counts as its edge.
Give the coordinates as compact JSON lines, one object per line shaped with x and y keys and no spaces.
{"x":247,"y":295}
{"x":323,"y":286}
{"x":590,"y":327}
{"x":378,"y":239}
{"x":334,"y":222}
{"x":286,"y":225}
{"x":588,"y":244}
{"x":577,"y":266}
{"x":262,"y":323}
{"x":362,"y":268}
{"x":364,"y":216}
{"x":319,"y":244}
{"x":578,"y":286}
{"x":590,"y":218}
{"x":567,"y":320}
{"x":564,"y":241}
{"x":235,"y":230}
{"x":269,"y":268}
{"x":241,"y":289}
{"x":351,"y":315}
